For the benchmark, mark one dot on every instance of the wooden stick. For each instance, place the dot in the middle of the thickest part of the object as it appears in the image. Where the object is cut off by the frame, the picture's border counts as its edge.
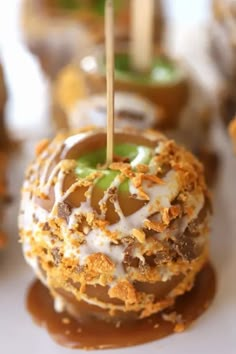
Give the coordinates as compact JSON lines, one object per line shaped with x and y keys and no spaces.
{"x":109,"y":31}
{"x":142,"y":32}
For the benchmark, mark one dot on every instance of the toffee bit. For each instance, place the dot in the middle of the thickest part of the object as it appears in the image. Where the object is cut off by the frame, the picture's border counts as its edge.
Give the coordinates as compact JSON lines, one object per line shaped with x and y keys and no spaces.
{"x":153,"y":225}
{"x":64,"y":211}
{"x":131,"y":261}
{"x":124,"y":291}
{"x":119,"y":166}
{"x":90,"y":218}
{"x":80,"y":269}
{"x":56,"y":256}
{"x":175,"y":210}
{"x":179,"y":327}
{"x":121,"y":159}
{"x":170,"y":317}
{"x":174,"y":318}
{"x":35,"y":219}
{"x":128,"y":257}
{"x":41,"y":146}
{"x":46,"y":227}
{"x":153,"y":179}
{"x":65,"y":320}
{"x":142,"y":168}
{"x":139,"y":235}
{"x":185,"y":247}
{"x":100,"y":263}
{"x":162,"y":257}
{"x":142,"y":195}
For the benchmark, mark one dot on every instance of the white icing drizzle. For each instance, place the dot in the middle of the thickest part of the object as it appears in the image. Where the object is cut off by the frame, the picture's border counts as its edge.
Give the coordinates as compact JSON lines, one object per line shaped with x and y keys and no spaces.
{"x":164,"y":193}
{"x":73,"y":140}
{"x":48,"y":161}
{"x":115,"y":184}
{"x":139,"y":158}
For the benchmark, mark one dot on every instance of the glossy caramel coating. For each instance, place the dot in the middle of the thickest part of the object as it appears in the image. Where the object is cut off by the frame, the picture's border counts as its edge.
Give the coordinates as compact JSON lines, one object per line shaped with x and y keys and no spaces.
{"x":73,"y":107}
{"x":223,"y":52}
{"x":171,"y":96}
{"x":129,"y":253}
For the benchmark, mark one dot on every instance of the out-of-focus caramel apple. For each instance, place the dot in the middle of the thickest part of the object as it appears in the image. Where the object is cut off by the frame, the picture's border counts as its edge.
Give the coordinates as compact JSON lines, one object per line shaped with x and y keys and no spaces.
{"x":3,"y":100}
{"x":57,"y":30}
{"x":223,"y":52}
{"x":167,"y":84}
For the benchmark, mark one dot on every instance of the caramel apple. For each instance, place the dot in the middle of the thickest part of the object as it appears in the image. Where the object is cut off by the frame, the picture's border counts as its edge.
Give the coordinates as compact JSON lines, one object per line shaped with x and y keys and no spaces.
{"x":223,"y":51}
{"x":166,"y":84}
{"x":3,"y":156}
{"x":130,"y":110}
{"x":115,"y":244}
{"x":223,"y":26}
{"x":72,"y":107}
{"x":3,"y":195}
{"x":56,"y":30}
